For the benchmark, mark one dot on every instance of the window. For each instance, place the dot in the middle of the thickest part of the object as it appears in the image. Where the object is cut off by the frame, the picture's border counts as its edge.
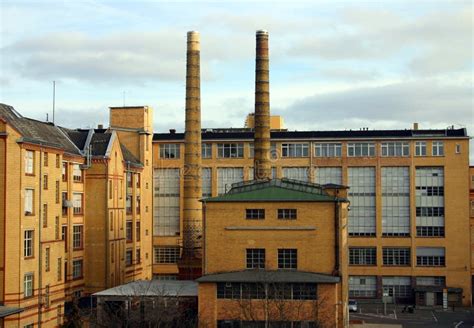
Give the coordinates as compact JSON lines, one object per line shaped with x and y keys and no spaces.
{"x":254,"y":214}
{"x":137,"y":205}
{"x":57,"y":192}
{"x":128,"y":204}
{"x":206,"y":150}
{"x":420,"y":148}
{"x":45,"y":159}
{"x":138,"y":258}
{"x":230,"y":150}
{"x":398,"y":287}
{"x":294,"y":150}
{"x":129,"y":177}
{"x":64,"y":237}
{"x":29,"y":162}
{"x":280,"y":291}
{"x":396,"y":256}
{"x":458,"y":149}
{"x":64,"y":171}
{"x":297,"y":173}
{"x":362,"y":198}
{"x":45,"y":182}
{"x":169,"y":151}
{"x":77,"y":237}
{"x":111,"y":189}
{"x":287,"y":258}
{"x":395,"y":201}
{"x":430,"y":256}
{"x":129,"y":257}
{"x":255,"y":258}
{"x":76,"y":269}
{"x":206,"y":182}
{"x":56,"y":228}
{"x":287,"y":213}
{"x":326,"y":175}
{"x":28,"y":243}
{"x":362,"y":286}
{"x":251,"y":150}
{"x":64,"y":205}
{"x":328,"y":150}
{"x":47,"y":254}
{"x":77,"y":203}
{"x":431,"y":281}
{"x":29,"y":197}
{"x":76,"y":173}
{"x":129,"y":231}
{"x":166,"y":202}
{"x":226,"y":176}
{"x":429,"y":196}
{"x":361,"y":149}
{"x":59,"y":269}
{"x":399,"y":149}
{"x":58,"y":161}
{"x":166,"y":255}
{"x":438,"y":148}
{"x":137,"y":231}
{"x":46,"y":296}
{"x":137,"y":180}
{"x":28,"y":285}
{"x":45,"y":215}
{"x":362,"y":256}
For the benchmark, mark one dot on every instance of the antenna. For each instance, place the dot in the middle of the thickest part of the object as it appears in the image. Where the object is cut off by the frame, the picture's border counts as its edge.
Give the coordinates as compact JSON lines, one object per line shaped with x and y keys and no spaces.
{"x":54,"y":98}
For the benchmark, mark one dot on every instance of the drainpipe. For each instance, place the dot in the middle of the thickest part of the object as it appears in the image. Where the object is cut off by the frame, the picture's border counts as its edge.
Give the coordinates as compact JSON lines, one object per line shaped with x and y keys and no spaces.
{"x":107,"y":225}
{"x":336,"y":237}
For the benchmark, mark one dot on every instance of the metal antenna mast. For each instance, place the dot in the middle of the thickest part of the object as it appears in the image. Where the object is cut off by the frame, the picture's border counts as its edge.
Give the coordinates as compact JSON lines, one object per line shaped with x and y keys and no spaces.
{"x":54,"y":98}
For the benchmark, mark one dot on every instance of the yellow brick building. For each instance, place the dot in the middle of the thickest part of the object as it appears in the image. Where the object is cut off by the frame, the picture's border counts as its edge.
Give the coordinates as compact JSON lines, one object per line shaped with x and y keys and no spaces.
{"x":54,"y":222}
{"x":275,"y":251}
{"x":409,"y":218}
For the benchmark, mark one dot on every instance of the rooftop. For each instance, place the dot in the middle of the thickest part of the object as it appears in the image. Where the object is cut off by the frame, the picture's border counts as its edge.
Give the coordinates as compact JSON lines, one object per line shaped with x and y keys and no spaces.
{"x":247,"y":134}
{"x":281,"y":190}
{"x":5,"y":311}
{"x":269,"y":276}
{"x":153,"y":288}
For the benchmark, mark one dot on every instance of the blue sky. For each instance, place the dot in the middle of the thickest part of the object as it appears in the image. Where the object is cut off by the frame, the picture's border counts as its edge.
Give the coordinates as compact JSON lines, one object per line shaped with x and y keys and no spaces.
{"x":334,"y":65}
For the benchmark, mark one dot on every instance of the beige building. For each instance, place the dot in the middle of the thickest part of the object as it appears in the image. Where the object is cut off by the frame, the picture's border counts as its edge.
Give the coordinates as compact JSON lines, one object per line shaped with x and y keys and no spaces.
{"x":275,"y":251}
{"x":56,"y":199}
{"x":409,"y":218}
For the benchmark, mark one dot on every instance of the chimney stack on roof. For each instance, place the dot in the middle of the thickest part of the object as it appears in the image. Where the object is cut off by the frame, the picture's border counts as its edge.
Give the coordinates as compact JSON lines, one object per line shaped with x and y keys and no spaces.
{"x":262,"y":164}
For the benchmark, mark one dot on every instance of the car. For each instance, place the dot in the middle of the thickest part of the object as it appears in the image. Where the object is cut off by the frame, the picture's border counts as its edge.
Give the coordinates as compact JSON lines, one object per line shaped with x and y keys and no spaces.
{"x":353,"y":306}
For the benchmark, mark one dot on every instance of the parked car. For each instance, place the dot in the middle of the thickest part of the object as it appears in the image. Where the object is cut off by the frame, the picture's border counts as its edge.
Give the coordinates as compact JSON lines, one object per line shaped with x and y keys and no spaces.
{"x":353,"y":306}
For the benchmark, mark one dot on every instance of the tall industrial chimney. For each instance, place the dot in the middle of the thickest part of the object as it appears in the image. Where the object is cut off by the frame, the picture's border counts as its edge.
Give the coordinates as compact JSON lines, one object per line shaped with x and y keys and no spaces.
{"x":262,"y":164}
{"x":190,"y":266}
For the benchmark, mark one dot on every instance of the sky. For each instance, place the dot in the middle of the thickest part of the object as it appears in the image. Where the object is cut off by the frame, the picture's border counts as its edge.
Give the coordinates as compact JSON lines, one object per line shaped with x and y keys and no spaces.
{"x":333,"y":64}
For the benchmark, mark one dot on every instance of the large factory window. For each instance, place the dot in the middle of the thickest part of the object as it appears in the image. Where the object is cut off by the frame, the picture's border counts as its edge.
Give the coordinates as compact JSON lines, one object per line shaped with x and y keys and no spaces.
{"x":206,"y":150}
{"x":226,"y":176}
{"x":361,"y":149}
{"x":392,"y":149}
{"x":329,"y":175}
{"x":206,"y":182}
{"x":362,"y":198}
{"x":294,"y":150}
{"x":328,"y":149}
{"x":230,"y":150}
{"x":297,"y":173}
{"x":429,"y":197}
{"x":395,"y":201}
{"x":362,"y":286}
{"x":166,"y":205}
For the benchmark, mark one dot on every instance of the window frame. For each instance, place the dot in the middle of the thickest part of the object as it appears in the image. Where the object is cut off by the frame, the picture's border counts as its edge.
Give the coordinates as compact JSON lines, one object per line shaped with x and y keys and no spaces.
{"x":288,"y":258}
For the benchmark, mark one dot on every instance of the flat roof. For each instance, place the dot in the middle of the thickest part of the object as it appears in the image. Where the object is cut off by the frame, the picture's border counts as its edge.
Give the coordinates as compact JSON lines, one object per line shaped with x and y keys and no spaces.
{"x":269,"y":276}
{"x":183,"y":288}
{"x":232,"y":134}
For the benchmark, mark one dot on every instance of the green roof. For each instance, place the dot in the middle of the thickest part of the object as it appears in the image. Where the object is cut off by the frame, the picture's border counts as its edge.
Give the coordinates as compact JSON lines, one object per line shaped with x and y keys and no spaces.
{"x":284,"y":190}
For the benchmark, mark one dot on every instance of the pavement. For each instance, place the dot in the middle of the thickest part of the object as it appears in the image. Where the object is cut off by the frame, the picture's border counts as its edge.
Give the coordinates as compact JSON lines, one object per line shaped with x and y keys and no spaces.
{"x":425,"y":317}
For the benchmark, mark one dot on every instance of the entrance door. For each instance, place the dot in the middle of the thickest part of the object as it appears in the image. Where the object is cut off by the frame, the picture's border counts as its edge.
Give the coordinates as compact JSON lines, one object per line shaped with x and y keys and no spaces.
{"x":430,"y":299}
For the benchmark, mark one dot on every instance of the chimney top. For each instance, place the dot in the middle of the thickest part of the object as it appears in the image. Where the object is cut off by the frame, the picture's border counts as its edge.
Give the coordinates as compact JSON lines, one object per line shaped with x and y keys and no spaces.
{"x":172,"y":131}
{"x":262,"y":32}
{"x":193,"y":41}
{"x":100,"y":126}
{"x":415,"y":126}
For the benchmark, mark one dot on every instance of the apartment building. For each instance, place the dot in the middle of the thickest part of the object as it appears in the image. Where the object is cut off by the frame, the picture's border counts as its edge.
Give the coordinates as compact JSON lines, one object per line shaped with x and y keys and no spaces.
{"x":263,"y":256}
{"x":53,"y":224}
{"x":408,"y":219}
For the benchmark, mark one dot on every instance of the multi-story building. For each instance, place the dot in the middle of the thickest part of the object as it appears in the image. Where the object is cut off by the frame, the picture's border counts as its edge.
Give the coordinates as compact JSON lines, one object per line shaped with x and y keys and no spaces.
{"x":275,"y":252}
{"x":55,"y":191}
{"x":409,"y":218}
{"x":471,"y":214}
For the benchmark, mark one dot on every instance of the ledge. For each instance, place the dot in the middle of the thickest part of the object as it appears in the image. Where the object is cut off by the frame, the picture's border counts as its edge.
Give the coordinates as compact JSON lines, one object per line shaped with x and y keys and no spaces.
{"x":276,"y":228}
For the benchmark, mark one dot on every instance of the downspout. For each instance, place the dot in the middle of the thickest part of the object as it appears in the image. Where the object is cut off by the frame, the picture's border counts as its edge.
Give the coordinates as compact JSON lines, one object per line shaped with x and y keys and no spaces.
{"x":107,"y":225}
{"x":336,"y":237}
{"x":5,"y":212}
{"x":40,"y":250}
{"x":203,"y":247}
